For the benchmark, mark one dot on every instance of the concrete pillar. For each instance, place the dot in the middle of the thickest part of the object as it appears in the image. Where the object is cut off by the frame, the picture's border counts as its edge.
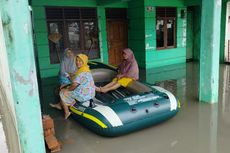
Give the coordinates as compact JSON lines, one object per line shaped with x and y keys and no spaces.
{"x":102,"y":34}
{"x":17,"y":32}
{"x":209,"y":52}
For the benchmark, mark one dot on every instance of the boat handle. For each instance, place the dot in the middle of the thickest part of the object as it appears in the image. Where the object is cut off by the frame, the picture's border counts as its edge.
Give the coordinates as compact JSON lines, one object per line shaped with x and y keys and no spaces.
{"x":156,"y":104}
{"x":133,"y":109}
{"x":166,"y":96}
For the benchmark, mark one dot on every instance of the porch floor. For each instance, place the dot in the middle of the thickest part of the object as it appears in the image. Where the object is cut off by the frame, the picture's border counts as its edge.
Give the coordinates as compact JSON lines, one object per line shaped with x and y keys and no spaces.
{"x":197,"y":128}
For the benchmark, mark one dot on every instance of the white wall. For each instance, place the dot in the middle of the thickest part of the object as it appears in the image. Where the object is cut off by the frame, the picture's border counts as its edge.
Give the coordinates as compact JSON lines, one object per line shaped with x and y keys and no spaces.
{"x":227,"y":33}
{"x":6,"y":98}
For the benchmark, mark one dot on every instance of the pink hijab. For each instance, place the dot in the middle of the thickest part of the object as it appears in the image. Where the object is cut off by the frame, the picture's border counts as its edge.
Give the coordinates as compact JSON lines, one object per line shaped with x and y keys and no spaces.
{"x":129,"y":67}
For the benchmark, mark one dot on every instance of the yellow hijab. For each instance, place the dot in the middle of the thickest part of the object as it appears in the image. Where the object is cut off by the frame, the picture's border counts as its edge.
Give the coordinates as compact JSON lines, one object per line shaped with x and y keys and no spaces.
{"x":84,"y":67}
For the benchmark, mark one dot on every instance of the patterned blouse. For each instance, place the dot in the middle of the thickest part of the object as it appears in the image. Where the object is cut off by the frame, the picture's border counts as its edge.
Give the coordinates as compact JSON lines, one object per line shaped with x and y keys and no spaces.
{"x":85,"y":89}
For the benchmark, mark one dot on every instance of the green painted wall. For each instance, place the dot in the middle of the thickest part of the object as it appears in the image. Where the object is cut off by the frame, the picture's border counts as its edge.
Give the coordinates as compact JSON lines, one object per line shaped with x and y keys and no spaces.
{"x":197,"y":25}
{"x":142,"y":34}
{"x":102,"y":34}
{"x":192,"y":2}
{"x":141,"y":31}
{"x":173,"y":3}
{"x":136,"y":31}
{"x":40,"y":29}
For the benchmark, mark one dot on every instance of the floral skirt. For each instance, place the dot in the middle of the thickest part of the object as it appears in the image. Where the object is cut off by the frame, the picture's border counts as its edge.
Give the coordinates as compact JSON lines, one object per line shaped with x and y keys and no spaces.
{"x":68,"y":97}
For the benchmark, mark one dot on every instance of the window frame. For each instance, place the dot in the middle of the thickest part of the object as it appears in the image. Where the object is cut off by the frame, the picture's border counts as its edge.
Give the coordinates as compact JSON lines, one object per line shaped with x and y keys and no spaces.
{"x":165,"y":19}
{"x":64,"y":22}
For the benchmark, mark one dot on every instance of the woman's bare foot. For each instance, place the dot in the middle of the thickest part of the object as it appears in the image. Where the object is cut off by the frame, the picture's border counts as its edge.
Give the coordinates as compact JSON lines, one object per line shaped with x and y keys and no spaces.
{"x":57,"y":106}
{"x":98,"y":89}
{"x":67,"y":115}
{"x":104,"y":90}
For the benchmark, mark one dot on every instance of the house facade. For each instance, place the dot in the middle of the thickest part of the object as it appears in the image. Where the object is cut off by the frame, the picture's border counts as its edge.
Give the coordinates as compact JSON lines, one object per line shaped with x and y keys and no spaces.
{"x":160,"y":33}
{"x":155,"y":31}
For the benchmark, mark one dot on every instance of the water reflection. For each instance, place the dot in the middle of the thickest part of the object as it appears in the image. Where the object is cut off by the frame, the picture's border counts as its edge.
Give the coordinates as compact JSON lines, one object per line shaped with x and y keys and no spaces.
{"x":224,"y":109}
{"x":172,"y":78}
{"x":225,"y":93}
{"x":209,"y":122}
{"x":207,"y":128}
{"x":159,"y":74}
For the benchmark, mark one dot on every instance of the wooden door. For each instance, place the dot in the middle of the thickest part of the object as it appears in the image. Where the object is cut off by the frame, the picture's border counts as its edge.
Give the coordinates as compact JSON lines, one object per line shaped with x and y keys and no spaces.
{"x":117,"y":40}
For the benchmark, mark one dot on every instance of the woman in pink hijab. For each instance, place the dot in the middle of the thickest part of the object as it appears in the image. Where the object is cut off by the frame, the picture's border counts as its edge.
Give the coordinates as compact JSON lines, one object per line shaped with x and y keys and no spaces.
{"x":127,"y":72}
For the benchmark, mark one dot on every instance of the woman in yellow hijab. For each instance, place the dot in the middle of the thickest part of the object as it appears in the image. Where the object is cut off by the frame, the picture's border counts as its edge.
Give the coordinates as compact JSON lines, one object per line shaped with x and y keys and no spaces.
{"x":82,"y":64}
{"x":82,"y":88}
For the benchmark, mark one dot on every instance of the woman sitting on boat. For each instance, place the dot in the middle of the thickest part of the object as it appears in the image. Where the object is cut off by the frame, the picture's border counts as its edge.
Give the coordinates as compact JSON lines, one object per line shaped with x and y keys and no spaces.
{"x":67,"y":67}
{"x":81,"y":89}
{"x":127,"y":72}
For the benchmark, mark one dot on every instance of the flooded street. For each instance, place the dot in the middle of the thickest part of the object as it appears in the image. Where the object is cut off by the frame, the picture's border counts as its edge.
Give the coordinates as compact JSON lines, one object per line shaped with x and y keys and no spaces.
{"x":197,"y":128}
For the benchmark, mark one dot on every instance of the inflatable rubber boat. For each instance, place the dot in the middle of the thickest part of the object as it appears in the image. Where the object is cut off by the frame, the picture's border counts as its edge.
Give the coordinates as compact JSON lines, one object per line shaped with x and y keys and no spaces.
{"x":126,"y":109}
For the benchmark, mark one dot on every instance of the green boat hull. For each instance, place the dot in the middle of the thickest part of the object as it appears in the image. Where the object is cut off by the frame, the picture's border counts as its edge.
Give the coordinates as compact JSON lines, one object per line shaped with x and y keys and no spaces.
{"x":124,"y":110}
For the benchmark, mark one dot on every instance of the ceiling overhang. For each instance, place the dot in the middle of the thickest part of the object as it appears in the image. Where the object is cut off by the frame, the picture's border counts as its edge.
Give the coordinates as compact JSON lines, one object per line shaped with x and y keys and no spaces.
{"x":107,"y":2}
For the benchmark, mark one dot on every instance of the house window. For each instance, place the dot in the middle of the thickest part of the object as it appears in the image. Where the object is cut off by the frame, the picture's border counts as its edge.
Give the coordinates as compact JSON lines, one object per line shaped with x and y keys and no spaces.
{"x":74,"y":28}
{"x":166,"y":27}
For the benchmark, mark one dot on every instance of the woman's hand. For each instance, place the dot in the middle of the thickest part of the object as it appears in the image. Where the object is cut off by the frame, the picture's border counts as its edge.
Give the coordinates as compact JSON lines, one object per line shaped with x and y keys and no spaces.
{"x":67,"y":74}
{"x":71,"y":74}
{"x":61,"y":86}
{"x":72,"y":86}
{"x":119,"y":76}
{"x":71,"y":77}
{"x":65,"y":91}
